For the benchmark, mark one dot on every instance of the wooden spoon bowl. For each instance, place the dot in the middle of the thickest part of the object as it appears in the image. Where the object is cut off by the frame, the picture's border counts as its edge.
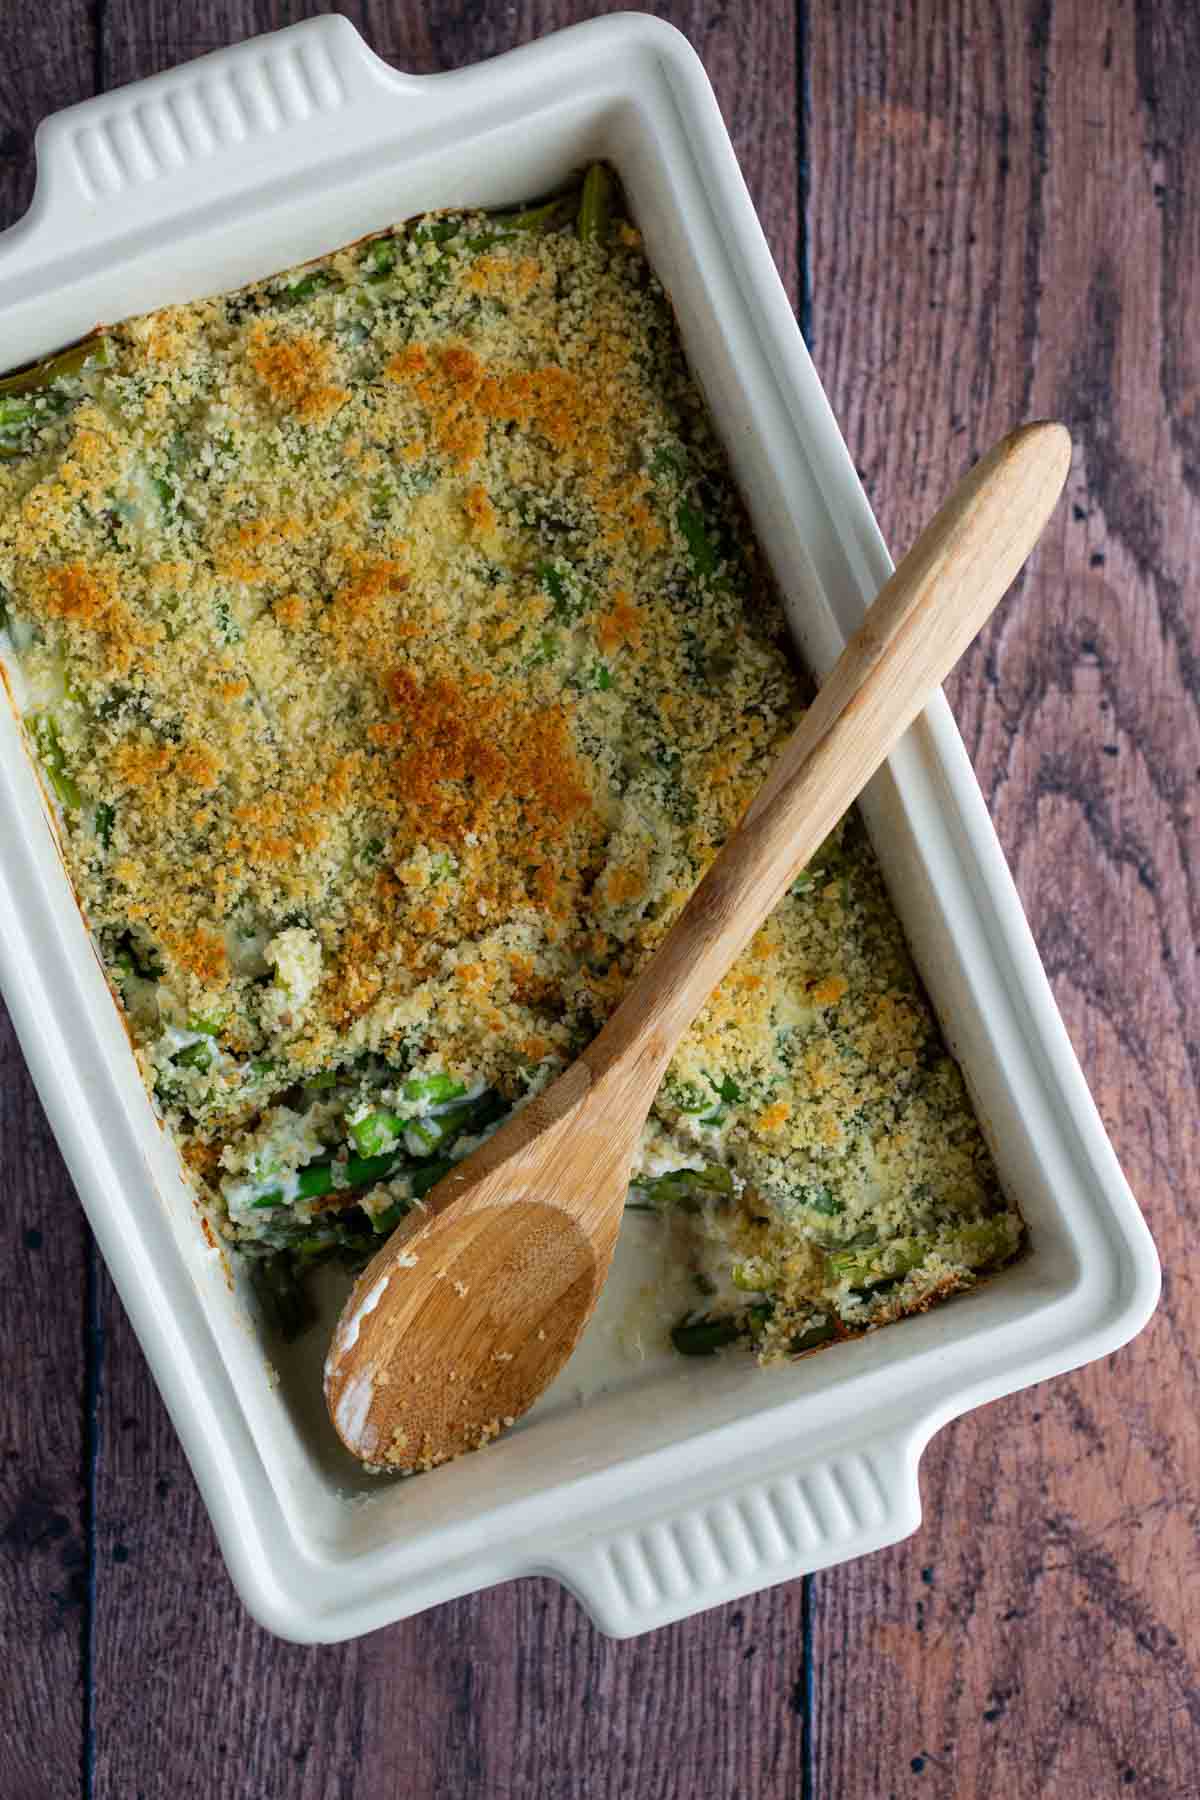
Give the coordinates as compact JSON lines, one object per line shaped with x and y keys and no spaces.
{"x":509,"y":1267}
{"x":479,"y":1297}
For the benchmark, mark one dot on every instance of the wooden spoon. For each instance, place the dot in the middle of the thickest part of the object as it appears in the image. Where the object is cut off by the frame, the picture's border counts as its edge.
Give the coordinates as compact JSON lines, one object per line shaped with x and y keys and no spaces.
{"x":477,"y":1300}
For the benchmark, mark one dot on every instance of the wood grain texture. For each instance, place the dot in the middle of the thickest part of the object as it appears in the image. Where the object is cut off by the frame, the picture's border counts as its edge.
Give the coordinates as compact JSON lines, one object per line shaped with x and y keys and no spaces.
{"x":508,"y":1693}
{"x":44,"y":1561}
{"x":1003,"y":218}
{"x":45,"y":1431}
{"x":1012,"y":227}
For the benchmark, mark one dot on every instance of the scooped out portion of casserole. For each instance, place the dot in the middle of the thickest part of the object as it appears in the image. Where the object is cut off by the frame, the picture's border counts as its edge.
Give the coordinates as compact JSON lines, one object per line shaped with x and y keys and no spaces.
{"x":398,"y":656}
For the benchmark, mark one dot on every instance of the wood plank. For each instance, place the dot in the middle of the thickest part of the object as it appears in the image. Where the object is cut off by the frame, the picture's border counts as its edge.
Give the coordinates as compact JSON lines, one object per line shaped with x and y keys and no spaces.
{"x":508,"y":1692}
{"x":1003,"y":224}
{"x":44,"y":1243}
{"x":511,"y":1692}
{"x":44,"y":1561}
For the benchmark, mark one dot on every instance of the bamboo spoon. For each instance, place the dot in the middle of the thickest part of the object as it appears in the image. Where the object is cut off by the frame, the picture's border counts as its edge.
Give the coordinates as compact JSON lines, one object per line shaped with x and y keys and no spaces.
{"x":475,"y":1303}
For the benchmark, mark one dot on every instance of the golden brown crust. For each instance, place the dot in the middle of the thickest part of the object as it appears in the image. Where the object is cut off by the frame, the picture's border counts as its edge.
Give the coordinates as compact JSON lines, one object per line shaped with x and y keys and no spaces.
{"x":421,"y":618}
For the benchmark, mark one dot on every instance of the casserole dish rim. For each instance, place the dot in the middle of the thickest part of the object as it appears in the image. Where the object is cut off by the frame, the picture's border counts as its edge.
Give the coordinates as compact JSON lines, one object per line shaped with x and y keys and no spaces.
{"x":679,"y":1516}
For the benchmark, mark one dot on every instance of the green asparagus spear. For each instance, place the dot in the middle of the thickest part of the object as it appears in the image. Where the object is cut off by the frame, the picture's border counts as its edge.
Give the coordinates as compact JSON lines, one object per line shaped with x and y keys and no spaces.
{"x":546,"y":216}
{"x":569,"y":600}
{"x":381,"y":256}
{"x":317,"y":1180}
{"x":485,"y":1111}
{"x":977,"y":1245}
{"x":434,"y":1088}
{"x":385,"y":1223}
{"x":377,"y":1132}
{"x":701,"y":554}
{"x":307,"y":286}
{"x":708,"y":1333}
{"x":436,"y":231}
{"x":379,"y":259}
{"x":812,"y":1337}
{"x":27,"y":398}
{"x":136,"y":958}
{"x":429,"y":1176}
{"x":53,"y":759}
{"x":595,"y":205}
{"x":687,"y":1188}
{"x":93,"y":352}
{"x":314,"y":1182}
{"x":15,"y":411}
{"x":438,"y":1130}
{"x":705,"y":1336}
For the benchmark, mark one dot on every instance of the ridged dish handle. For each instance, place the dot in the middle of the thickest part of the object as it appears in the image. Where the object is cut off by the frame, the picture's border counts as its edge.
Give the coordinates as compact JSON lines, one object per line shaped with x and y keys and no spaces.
{"x":240,"y":117}
{"x":773,"y":1529}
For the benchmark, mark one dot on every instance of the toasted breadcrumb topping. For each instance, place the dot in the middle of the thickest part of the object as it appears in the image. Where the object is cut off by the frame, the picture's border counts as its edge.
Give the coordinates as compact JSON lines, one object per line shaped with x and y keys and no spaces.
{"x":407,"y":658}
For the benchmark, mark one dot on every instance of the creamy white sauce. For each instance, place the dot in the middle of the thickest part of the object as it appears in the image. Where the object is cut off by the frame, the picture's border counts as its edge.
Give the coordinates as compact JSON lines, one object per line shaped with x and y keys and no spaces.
{"x":349,"y":1329}
{"x":352,"y":1410}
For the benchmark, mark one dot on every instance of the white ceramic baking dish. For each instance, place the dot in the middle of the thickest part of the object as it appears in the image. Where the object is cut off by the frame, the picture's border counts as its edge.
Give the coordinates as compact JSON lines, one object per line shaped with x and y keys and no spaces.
{"x":673,"y":1485}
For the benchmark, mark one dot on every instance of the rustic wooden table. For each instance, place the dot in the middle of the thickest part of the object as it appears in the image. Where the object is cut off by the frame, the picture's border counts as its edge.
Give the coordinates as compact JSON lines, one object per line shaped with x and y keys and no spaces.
{"x":984,"y":210}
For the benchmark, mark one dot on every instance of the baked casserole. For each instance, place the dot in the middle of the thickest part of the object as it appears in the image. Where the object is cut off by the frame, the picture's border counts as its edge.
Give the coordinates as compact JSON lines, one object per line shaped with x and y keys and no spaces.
{"x":398,"y":655}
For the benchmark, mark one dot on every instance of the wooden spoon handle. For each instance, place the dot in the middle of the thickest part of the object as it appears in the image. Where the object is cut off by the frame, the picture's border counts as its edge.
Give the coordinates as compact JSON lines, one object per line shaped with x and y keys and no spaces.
{"x":916,"y":630}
